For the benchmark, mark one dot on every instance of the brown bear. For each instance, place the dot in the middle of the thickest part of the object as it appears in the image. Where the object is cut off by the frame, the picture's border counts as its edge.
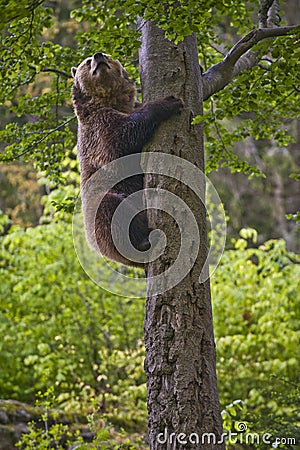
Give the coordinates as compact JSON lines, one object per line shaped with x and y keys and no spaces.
{"x":111,"y":124}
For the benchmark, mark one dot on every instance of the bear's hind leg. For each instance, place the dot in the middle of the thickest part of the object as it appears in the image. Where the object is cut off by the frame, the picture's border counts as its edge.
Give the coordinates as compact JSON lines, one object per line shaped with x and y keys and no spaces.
{"x":112,"y":230}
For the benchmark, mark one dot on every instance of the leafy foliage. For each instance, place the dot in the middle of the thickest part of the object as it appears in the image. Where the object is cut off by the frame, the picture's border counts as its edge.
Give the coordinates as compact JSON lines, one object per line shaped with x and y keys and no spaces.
{"x":35,"y":69}
{"x":256,"y":310}
{"x":52,"y":314}
{"x":38,"y":130}
{"x":59,"y":330}
{"x":262,"y":99}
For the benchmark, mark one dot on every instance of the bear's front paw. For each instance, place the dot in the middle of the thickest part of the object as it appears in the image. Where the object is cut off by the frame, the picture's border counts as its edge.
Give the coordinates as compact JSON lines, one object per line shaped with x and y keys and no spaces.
{"x":175,"y":102}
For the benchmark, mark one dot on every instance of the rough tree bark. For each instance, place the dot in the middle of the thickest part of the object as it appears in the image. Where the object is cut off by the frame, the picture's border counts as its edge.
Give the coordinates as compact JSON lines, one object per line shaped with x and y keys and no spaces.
{"x":180,"y":367}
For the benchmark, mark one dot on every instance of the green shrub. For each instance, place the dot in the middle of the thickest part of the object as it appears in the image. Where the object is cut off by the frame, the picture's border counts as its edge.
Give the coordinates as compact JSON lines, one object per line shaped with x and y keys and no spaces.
{"x":256,"y":314}
{"x":59,"y":329}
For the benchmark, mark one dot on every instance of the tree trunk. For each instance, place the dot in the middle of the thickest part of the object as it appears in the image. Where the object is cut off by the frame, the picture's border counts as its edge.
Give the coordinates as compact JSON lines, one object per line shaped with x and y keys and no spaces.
{"x":183,"y":405}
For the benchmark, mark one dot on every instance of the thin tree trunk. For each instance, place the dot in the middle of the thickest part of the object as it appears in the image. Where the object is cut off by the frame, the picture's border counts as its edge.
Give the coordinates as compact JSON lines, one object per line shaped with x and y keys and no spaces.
{"x":183,"y":405}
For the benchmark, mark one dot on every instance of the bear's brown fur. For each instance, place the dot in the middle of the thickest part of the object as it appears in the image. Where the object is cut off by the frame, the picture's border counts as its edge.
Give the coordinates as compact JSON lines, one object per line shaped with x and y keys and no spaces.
{"x":110,"y":127}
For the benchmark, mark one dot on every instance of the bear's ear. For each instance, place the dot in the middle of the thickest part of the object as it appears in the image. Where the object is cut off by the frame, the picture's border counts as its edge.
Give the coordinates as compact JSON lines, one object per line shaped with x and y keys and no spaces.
{"x":73,"y":71}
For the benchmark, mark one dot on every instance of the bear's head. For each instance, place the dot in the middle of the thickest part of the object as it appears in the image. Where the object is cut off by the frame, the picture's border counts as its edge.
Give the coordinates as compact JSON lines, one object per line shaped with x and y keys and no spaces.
{"x":104,"y":81}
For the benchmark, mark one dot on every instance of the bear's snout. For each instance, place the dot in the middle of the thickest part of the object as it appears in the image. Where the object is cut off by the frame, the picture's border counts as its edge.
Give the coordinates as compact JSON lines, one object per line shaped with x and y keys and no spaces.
{"x":98,"y":55}
{"x":99,"y":59}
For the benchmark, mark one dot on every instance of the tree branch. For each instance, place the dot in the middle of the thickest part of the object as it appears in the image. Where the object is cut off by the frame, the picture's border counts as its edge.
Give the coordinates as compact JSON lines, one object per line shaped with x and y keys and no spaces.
{"x":239,"y":58}
{"x":10,"y":14}
{"x":57,"y":71}
{"x":31,"y":147}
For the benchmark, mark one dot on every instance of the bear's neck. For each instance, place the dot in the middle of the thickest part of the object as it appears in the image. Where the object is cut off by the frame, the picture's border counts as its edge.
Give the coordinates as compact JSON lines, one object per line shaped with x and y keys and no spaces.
{"x":122,"y":101}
